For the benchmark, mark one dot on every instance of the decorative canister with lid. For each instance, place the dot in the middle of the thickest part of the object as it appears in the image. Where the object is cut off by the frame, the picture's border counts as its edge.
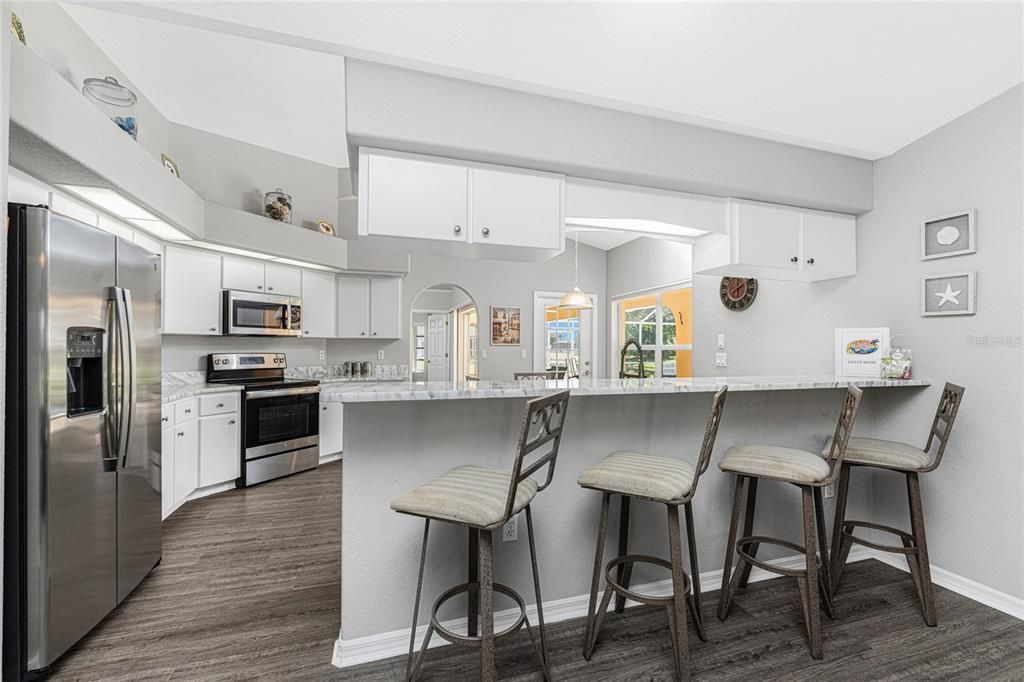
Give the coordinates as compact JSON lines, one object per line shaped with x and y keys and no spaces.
{"x":277,"y":205}
{"x":116,"y":101}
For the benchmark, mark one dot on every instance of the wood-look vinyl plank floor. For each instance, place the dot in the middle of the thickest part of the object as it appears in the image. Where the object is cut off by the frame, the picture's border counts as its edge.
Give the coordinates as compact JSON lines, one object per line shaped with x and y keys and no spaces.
{"x":249,"y":589}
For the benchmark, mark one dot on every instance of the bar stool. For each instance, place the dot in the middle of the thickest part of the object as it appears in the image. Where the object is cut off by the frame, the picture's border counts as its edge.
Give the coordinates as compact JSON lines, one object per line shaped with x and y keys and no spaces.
{"x":482,"y":499}
{"x":911,"y":462}
{"x":670,"y":482}
{"x":809,"y":472}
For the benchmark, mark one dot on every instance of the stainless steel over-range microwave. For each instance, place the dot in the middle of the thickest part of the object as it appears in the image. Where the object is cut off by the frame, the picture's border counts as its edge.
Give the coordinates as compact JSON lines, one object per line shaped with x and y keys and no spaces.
{"x":247,"y":313}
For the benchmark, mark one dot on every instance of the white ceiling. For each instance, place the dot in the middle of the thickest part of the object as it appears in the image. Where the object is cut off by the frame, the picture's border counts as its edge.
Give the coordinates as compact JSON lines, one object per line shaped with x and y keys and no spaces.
{"x":858,"y":78}
{"x":275,"y":96}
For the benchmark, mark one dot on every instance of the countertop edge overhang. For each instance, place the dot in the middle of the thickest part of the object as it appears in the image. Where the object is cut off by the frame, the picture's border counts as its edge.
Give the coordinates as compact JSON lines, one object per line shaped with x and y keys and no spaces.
{"x":444,"y":390}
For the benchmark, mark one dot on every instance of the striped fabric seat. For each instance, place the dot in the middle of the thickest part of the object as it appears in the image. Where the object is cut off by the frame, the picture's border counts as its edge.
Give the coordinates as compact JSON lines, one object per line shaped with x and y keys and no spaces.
{"x":883,"y":453}
{"x":629,"y":473}
{"x":468,"y":495}
{"x":769,"y":461}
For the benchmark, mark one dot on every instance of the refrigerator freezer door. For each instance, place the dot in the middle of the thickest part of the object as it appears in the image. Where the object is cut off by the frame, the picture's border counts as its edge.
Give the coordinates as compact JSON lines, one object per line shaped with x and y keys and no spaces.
{"x":138,"y":494}
{"x":71,"y":503}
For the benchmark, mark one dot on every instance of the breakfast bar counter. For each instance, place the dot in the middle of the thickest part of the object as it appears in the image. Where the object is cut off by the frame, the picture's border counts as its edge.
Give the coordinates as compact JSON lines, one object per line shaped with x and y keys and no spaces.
{"x":399,"y":435}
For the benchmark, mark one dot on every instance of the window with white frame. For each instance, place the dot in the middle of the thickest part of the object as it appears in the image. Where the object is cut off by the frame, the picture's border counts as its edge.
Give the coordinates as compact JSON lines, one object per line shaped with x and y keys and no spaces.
{"x":661,"y":321}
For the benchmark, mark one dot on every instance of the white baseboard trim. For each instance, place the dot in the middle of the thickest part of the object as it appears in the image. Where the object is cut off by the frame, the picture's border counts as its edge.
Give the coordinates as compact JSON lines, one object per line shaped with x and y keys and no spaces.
{"x":324,"y":459}
{"x":966,"y":587}
{"x":395,"y":643}
{"x":210,"y":490}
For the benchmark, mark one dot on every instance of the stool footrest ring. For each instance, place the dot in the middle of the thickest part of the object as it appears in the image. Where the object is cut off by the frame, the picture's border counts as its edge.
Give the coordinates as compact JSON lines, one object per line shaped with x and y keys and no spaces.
{"x":466,"y":640}
{"x":650,"y":600}
{"x":742,"y":549}
{"x":909,"y":544}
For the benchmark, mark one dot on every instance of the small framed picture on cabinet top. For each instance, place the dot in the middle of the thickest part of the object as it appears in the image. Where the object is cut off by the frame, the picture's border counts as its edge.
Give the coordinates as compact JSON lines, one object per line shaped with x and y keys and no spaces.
{"x":953,"y":234}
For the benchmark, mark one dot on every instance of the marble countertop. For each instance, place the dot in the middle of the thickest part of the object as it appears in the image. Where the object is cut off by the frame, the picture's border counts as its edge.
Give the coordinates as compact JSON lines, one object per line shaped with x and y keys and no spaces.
{"x":391,"y":391}
{"x":176,"y":389}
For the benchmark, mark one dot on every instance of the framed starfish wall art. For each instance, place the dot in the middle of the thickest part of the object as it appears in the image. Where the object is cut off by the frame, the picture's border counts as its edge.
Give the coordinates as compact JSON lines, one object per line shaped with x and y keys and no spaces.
{"x":952,"y":293}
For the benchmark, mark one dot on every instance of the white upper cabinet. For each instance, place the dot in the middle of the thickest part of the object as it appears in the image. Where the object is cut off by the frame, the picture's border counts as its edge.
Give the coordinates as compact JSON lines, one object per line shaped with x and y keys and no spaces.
{"x":386,"y":308}
{"x":507,"y":212}
{"x":191,"y":295}
{"x":247,"y":274}
{"x":517,"y":208}
{"x":417,"y":198}
{"x":780,"y":242}
{"x":319,"y":304}
{"x":244,"y":274}
{"x":828,"y":246}
{"x":283,"y":280}
{"x":353,"y":307}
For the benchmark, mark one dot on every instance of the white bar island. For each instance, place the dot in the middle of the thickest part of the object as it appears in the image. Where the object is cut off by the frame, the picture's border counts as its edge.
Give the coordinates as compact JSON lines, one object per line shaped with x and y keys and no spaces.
{"x":399,"y":435}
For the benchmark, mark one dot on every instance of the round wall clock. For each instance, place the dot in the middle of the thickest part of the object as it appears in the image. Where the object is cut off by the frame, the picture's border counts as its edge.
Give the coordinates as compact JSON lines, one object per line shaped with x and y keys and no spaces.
{"x":737,"y":293}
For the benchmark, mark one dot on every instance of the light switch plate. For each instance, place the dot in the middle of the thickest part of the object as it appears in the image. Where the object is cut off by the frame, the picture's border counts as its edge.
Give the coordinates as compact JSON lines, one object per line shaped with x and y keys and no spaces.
{"x":721,"y":342}
{"x":323,"y":355}
{"x":380,"y":354}
{"x":720,"y":360}
{"x":522,"y":354}
{"x":483,"y":353}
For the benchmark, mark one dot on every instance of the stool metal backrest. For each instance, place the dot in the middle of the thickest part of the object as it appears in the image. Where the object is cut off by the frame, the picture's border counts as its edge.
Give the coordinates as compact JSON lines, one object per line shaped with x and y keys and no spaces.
{"x":551,"y":375}
{"x":843,"y":429}
{"x":710,"y":433}
{"x":543,"y":420}
{"x":942,"y":425}
{"x":572,"y":367}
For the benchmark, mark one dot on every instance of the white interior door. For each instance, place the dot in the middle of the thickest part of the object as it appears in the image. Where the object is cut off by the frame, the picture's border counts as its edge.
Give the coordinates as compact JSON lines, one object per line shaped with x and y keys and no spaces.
{"x":560,"y":334}
{"x":437,"y":347}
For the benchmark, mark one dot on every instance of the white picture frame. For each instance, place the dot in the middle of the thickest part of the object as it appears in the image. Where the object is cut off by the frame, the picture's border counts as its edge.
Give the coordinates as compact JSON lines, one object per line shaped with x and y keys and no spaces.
{"x":859,"y":352}
{"x":963,"y":244}
{"x":933,"y":307}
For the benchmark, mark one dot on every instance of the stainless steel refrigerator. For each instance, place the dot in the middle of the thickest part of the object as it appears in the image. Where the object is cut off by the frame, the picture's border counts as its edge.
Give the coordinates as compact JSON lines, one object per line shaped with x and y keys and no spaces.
{"x":82,"y":455}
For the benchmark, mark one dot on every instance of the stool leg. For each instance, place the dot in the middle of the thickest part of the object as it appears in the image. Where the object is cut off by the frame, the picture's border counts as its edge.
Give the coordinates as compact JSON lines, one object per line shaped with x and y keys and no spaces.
{"x":812,"y":606}
{"x":748,"y":529}
{"x":695,"y":593}
{"x":416,"y":608}
{"x":823,"y":572}
{"x":536,"y":588}
{"x":724,"y":596}
{"x":591,"y":635}
{"x":625,"y":573}
{"x":924,"y":569}
{"x":679,"y":595}
{"x":487,"y":669}
{"x":838,"y":559}
{"x":473,"y":576}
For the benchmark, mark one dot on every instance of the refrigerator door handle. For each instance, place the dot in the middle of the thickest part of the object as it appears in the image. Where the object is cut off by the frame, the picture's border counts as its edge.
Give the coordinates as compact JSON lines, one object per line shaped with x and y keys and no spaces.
{"x":111,"y":427}
{"x":121,"y":393}
{"x":129,"y":377}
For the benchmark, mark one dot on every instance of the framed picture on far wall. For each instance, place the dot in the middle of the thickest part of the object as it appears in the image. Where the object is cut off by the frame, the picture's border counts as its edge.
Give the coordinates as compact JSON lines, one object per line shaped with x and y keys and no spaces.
{"x":506,"y":325}
{"x":859,"y":352}
{"x":953,"y":234}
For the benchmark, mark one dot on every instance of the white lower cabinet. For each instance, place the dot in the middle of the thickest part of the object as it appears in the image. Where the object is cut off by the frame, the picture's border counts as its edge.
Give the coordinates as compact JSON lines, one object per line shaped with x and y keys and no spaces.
{"x":331,"y":415}
{"x":219,"y":449}
{"x":200,"y":446}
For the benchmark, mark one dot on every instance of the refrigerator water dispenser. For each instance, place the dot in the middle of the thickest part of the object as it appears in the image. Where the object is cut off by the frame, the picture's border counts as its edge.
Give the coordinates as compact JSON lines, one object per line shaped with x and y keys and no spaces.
{"x":85,"y":375}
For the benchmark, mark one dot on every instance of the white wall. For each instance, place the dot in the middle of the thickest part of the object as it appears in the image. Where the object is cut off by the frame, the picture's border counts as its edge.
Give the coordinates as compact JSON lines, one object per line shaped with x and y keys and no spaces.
{"x":646,"y":264}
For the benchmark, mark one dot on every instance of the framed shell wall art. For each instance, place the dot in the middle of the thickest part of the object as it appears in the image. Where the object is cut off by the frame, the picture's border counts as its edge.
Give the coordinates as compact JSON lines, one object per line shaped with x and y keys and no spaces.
{"x":953,"y":234}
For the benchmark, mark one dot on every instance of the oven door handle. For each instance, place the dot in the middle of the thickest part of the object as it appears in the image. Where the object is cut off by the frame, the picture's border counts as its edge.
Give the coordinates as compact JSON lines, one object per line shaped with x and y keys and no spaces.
{"x":276,"y":393}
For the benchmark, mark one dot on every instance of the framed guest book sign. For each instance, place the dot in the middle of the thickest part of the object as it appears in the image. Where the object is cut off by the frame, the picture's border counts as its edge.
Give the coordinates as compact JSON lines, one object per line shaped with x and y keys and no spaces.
{"x":859,"y":352}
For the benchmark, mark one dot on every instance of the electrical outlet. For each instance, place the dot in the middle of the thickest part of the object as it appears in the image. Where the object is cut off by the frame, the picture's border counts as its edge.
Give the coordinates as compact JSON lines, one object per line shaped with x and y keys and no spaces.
{"x":830,"y":491}
{"x":380,"y":354}
{"x":721,"y":342}
{"x":721,"y":360}
{"x":323,"y":355}
{"x":483,"y":353}
{"x":510,"y":531}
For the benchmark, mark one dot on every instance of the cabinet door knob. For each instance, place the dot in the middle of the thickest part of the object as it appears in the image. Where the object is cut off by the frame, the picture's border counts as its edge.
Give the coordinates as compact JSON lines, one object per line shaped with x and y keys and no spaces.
{"x":794,"y":259}
{"x":213,"y":329}
{"x":188,"y":411}
{"x":457,"y":229}
{"x":219,"y":405}
{"x":362,"y":333}
{"x":181,"y":434}
{"x":270,"y":288}
{"x":810,"y":261}
{"x":231,"y":422}
{"x":259,"y":286}
{"x":486,"y":231}
{"x":375,"y":333}
{"x":163,"y":419}
{"x":324,"y":408}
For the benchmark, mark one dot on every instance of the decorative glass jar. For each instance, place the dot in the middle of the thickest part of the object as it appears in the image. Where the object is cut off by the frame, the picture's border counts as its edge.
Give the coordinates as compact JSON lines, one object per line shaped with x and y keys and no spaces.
{"x":116,"y":101}
{"x":277,"y":205}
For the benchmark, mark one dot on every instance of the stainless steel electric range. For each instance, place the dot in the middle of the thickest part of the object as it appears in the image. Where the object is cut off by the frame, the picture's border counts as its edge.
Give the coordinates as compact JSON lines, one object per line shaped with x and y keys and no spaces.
{"x":281,"y":417}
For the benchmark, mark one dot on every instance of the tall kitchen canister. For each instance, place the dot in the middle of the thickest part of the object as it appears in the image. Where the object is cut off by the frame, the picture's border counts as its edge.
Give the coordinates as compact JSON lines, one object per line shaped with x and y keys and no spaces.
{"x":116,"y":101}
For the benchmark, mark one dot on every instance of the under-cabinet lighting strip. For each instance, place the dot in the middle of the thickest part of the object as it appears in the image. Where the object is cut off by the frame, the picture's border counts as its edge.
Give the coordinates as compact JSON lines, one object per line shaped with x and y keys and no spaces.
{"x":115,"y":204}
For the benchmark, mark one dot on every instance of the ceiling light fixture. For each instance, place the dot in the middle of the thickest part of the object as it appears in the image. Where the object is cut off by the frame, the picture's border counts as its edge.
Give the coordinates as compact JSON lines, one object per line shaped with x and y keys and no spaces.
{"x":576,"y":299}
{"x":115,"y":204}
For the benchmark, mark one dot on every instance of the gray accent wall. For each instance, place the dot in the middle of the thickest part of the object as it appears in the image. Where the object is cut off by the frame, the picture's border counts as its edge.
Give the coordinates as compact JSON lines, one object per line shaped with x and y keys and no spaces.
{"x":400,"y":109}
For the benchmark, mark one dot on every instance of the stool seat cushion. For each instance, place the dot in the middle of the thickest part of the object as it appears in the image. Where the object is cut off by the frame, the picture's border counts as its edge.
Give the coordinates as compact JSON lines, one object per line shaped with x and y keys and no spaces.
{"x":769,"y":461}
{"x":883,"y":453}
{"x":661,"y":479}
{"x":468,"y":495}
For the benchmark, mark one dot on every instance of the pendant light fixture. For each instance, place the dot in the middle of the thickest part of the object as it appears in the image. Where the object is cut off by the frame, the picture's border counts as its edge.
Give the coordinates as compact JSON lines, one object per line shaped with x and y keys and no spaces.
{"x":576,"y":299}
